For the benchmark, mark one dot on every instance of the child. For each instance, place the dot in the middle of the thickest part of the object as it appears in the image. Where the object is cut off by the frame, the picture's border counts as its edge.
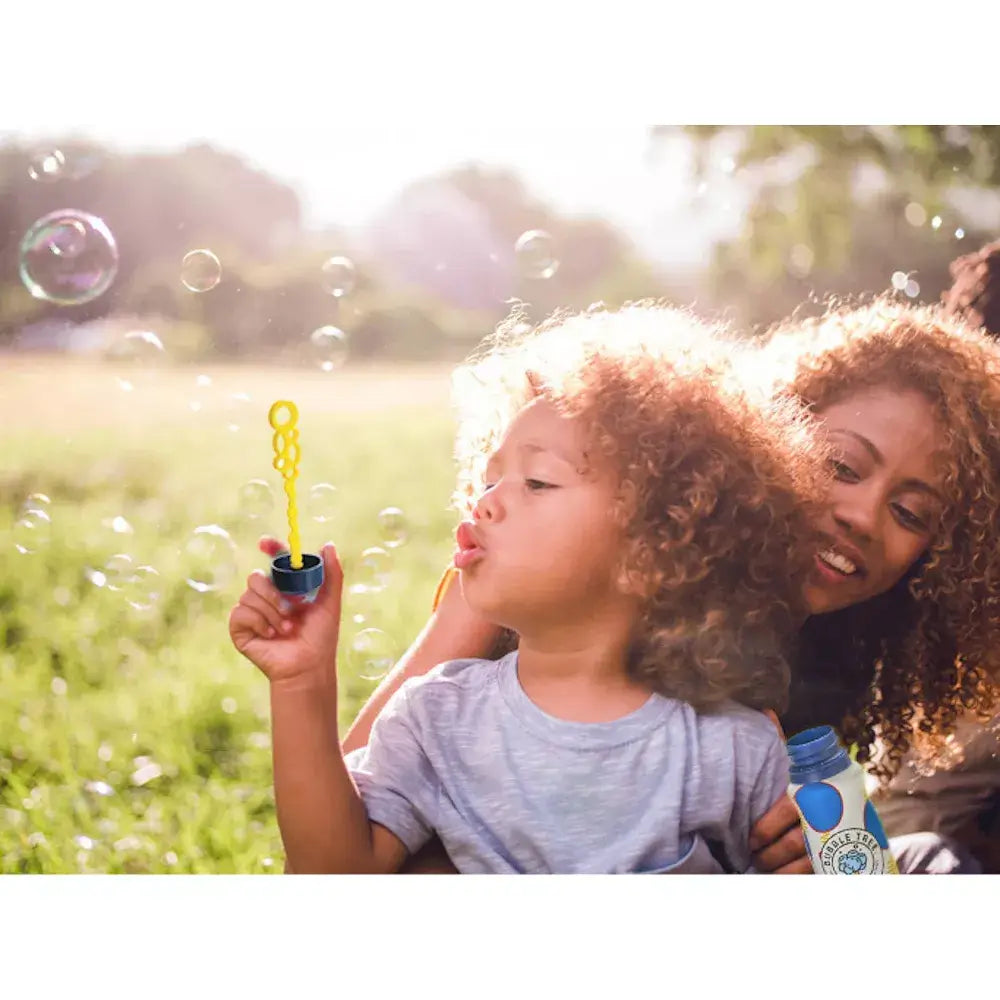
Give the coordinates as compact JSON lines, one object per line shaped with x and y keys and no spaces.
{"x":641,"y":527}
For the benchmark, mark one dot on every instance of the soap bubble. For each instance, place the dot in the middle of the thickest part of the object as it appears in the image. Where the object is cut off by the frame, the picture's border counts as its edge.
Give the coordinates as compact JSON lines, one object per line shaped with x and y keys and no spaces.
{"x":256,"y":498}
{"x":372,"y":654}
{"x":137,"y":348}
{"x":392,"y":527}
{"x":912,"y":288}
{"x":200,"y":271}
{"x":142,"y":589}
{"x":339,"y":276}
{"x":68,"y":257}
{"x":36,"y":501}
{"x":32,"y":532}
{"x":959,"y":233}
{"x":916,"y":214}
{"x":118,"y":570}
{"x":47,"y":165}
{"x":112,"y":537}
{"x":936,"y":222}
{"x":323,"y":502}
{"x":329,"y":347}
{"x":373,"y":574}
{"x":535,"y":254}
{"x":209,"y":559}
{"x":899,"y":280}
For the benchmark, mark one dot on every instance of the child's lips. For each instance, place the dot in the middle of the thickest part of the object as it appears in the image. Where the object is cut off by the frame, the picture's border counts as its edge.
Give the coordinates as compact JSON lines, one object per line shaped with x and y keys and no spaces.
{"x":469,"y":547}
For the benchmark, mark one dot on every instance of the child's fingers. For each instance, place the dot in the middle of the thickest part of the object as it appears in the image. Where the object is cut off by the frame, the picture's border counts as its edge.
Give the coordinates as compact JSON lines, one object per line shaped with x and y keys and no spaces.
{"x":272,"y":615}
{"x":245,"y":619}
{"x":271,"y":546}
{"x":258,"y":583}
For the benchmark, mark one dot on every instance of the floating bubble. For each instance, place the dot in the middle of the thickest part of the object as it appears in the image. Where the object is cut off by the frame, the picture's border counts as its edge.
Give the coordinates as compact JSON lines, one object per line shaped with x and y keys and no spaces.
{"x":68,"y":257}
{"x":142,"y":590}
{"x":936,"y":222}
{"x":36,"y":501}
{"x":138,"y":348}
{"x":47,"y":165}
{"x":329,"y":347}
{"x":32,"y":532}
{"x":372,"y":654}
{"x":912,"y":288}
{"x":118,"y":571}
{"x":323,"y":502}
{"x":392,"y":527}
{"x":112,"y":537}
{"x":916,"y":214}
{"x":535,"y":252}
{"x":101,"y":788}
{"x":200,"y":271}
{"x":959,"y":234}
{"x":374,"y":571}
{"x":209,"y":559}
{"x":339,"y":276}
{"x":899,"y":280}
{"x":256,"y":499}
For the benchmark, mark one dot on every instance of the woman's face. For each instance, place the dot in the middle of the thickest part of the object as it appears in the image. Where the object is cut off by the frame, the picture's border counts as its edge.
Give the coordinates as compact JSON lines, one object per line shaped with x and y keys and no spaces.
{"x":885,"y":501}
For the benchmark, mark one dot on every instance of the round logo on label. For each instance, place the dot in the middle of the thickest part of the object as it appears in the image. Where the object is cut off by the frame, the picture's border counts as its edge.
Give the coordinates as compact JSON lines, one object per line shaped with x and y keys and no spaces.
{"x":852,"y":852}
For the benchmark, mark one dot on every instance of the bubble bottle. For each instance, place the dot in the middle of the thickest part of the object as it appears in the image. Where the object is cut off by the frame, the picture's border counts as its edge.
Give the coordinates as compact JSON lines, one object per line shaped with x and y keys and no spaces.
{"x":843,"y":832}
{"x":295,"y":573}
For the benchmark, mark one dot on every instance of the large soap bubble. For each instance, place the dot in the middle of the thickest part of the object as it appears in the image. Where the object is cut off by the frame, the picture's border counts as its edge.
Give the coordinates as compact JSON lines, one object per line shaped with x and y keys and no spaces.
{"x":68,"y":257}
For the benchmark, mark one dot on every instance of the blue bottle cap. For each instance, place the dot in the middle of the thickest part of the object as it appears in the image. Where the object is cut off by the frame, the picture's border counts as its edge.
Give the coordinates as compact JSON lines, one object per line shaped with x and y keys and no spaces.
{"x":305,"y":581}
{"x":816,"y":754}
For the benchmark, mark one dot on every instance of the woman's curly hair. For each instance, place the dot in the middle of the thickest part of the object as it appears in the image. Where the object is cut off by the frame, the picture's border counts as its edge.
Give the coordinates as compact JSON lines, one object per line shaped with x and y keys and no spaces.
{"x":717,"y":489}
{"x":902,"y":666}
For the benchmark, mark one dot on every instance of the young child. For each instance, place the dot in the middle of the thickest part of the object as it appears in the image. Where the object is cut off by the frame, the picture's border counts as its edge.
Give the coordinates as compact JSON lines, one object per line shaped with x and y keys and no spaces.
{"x":641,"y":526}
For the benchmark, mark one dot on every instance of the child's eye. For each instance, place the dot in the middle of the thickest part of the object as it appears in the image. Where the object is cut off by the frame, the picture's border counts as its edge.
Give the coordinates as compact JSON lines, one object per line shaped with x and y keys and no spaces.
{"x":536,"y":485}
{"x":843,"y":471}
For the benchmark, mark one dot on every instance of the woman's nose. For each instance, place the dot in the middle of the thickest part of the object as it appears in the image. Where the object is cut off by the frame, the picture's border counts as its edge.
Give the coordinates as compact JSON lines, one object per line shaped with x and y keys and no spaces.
{"x":859,"y":517}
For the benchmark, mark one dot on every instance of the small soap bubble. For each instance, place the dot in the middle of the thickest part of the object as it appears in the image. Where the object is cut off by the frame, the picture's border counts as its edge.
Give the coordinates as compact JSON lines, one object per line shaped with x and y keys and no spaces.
{"x":329,"y":347}
{"x":142,"y":589}
{"x":59,"y":686}
{"x":536,"y":254}
{"x":339,"y":276}
{"x":36,"y":501}
{"x":916,"y":214}
{"x":936,"y":222}
{"x":912,"y":288}
{"x":68,"y":257}
{"x":101,"y":788}
{"x":137,"y":349}
{"x":170,"y":858}
{"x":323,"y":502}
{"x":374,"y":571}
{"x":105,"y":752}
{"x":146,"y":773}
{"x":229,"y":706}
{"x":83,"y":842}
{"x":209,"y":559}
{"x":118,"y":571}
{"x":960,"y":233}
{"x":47,"y":165}
{"x":256,"y":499}
{"x":899,"y":280}
{"x":392,"y":527}
{"x":200,"y":271}
{"x":372,"y":654}
{"x":32,"y":532}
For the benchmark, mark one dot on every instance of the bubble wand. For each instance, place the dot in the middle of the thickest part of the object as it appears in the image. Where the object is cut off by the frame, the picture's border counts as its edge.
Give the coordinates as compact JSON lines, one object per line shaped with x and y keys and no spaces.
{"x":295,"y":573}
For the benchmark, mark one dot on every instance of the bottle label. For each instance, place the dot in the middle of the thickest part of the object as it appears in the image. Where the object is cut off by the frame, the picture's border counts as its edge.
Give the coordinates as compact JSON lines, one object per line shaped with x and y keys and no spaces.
{"x":853,"y":851}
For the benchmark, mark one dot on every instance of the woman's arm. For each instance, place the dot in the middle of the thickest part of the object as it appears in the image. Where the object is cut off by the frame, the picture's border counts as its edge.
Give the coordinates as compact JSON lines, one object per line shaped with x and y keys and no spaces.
{"x":453,"y":631}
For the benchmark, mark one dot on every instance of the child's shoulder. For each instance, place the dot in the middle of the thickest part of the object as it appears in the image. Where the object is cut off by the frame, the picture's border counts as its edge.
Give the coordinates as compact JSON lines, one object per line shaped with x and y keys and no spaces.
{"x":730,"y":719}
{"x":454,"y":680}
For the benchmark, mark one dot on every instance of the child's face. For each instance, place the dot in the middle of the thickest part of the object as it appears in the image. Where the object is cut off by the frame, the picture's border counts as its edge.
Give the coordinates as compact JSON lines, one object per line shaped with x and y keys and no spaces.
{"x":548,"y":543}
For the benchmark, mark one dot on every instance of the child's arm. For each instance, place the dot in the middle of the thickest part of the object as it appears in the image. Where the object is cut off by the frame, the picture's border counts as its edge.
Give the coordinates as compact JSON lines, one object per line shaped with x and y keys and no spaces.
{"x":452,"y":632}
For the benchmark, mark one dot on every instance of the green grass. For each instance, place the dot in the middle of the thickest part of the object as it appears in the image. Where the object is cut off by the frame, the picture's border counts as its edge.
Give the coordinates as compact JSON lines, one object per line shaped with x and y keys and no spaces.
{"x":95,"y":692}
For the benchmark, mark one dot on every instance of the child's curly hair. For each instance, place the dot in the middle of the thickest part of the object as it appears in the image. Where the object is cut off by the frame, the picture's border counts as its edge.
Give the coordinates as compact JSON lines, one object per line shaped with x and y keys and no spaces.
{"x":916,"y":656}
{"x":716,"y":488}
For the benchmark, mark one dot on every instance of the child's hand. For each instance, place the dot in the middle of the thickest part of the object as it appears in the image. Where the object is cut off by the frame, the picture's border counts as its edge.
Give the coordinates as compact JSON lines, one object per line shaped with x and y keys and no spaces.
{"x":290,"y":641}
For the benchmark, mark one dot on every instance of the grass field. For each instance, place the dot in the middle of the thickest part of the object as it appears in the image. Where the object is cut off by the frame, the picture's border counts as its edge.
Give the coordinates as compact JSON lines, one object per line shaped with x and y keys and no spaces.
{"x":137,"y":739}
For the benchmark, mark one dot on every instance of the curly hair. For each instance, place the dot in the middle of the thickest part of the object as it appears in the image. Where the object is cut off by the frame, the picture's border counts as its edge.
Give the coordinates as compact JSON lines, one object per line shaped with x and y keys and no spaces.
{"x":902,"y":666}
{"x":716,"y":488}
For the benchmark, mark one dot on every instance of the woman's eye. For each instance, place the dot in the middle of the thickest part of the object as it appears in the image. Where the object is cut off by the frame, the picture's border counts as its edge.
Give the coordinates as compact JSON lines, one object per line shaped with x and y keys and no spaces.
{"x":537,"y":484}
{"x":910,"y":519}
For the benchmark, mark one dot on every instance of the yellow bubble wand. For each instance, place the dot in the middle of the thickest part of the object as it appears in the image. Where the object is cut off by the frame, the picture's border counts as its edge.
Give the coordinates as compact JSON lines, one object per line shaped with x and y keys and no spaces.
{"x":293,"y":572}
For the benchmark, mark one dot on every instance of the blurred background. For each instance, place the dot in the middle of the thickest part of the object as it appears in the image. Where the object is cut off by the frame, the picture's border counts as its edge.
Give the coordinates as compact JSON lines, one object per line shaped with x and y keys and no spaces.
{"x":160,"y":288}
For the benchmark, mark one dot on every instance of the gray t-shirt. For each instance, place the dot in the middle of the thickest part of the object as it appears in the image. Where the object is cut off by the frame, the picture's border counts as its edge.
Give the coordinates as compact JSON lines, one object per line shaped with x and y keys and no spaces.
{"x":464,"y":753}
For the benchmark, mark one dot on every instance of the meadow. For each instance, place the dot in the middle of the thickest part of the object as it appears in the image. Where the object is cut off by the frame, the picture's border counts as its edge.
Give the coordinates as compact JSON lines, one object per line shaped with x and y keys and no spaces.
{"x":133,"y":737}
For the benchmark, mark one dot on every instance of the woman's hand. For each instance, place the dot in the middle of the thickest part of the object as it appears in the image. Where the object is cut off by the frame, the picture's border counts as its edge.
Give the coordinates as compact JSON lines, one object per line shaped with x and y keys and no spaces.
{"x":290,"y":641}
{"x":777,"y":841}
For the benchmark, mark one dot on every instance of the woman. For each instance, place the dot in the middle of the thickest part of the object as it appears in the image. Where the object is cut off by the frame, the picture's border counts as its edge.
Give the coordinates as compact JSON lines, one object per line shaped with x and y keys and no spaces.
{"x":905,"y":592}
